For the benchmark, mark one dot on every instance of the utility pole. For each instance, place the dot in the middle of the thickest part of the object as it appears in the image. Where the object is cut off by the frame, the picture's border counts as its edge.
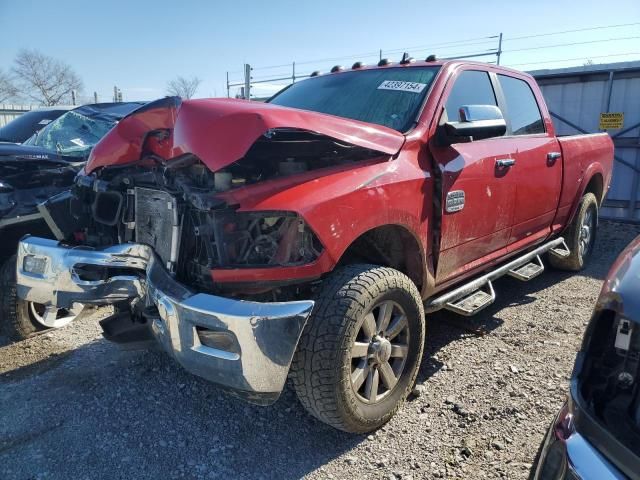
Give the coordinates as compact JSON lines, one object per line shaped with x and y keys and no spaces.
{"x":95,"y":97}
{"x":227,"y":84}
{"x":247,"y":81}
{"x":499,"y":49}
{"x":73,"y":97}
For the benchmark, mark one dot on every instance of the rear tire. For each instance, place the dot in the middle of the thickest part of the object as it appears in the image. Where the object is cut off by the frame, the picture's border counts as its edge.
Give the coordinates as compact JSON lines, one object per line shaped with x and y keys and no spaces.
{"x":580,"y":236}
{"x":359,"y":354}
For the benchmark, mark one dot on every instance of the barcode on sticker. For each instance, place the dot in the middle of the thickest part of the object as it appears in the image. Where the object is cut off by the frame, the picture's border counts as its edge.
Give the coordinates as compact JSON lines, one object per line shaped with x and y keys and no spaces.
{"x":414,"y":87}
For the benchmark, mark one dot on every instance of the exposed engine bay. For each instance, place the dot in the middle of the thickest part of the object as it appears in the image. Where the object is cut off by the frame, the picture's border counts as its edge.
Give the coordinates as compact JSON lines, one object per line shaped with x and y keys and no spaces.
{"x":173,"y":207}
{"x":26,"y":182}
{"x":610,"y":378}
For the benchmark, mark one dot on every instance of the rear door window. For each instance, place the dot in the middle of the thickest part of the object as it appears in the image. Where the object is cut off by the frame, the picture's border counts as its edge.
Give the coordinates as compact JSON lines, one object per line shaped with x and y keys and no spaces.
{"x":522,"y":108}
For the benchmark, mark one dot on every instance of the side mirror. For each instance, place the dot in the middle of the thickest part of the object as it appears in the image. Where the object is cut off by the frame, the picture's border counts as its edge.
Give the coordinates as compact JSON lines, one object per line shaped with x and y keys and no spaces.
{"x":477,"y":122}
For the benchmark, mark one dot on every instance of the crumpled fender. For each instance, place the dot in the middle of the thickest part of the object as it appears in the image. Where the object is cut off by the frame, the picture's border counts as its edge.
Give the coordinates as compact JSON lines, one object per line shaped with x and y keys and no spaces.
{"x":221,"y":131}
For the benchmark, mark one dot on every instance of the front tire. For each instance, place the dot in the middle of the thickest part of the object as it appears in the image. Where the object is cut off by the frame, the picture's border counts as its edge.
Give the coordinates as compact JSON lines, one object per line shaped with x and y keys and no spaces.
{"x":360,"y":351}
{"x":580,"y":236}
{"x":20,"y":319}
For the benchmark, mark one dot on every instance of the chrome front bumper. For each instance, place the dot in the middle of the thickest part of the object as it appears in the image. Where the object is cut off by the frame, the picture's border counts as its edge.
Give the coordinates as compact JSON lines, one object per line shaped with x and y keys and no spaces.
{"x":264,"y":336}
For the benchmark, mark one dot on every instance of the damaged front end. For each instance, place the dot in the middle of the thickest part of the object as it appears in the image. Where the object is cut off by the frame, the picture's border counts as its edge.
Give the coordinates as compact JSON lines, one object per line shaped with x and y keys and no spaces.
{"x":245,"y":346}
{"x":148,"y":223}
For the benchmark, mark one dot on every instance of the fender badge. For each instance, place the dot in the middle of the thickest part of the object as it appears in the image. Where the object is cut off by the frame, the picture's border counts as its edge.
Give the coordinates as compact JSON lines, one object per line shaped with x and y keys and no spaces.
{"x":455,"y":201}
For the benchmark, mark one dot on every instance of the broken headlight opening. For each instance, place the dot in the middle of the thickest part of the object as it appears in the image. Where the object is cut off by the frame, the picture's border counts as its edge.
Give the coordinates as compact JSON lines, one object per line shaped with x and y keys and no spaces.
{"x":231,"y":239}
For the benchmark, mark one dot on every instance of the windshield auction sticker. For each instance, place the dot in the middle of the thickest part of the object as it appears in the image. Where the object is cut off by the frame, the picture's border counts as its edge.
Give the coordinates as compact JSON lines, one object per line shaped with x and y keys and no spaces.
{"x":413,"y":87}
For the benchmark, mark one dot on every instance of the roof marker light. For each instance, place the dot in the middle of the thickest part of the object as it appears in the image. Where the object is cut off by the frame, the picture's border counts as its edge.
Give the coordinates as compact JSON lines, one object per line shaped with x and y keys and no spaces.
{"x":384,"y":62}
{"x":337,"y":68}
{"x":406,"y":59}
{"x":431,"y":58}
{"x":358,"y":65}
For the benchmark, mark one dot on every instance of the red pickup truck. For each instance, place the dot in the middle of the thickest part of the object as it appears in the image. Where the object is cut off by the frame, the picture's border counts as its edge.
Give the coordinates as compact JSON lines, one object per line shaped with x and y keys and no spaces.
{"x":306,"y":237}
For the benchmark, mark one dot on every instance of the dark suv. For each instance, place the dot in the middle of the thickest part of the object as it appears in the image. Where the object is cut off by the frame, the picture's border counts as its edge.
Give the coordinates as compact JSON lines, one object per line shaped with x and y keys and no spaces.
{"x":596,"y":435}
{"x":43,"y":165}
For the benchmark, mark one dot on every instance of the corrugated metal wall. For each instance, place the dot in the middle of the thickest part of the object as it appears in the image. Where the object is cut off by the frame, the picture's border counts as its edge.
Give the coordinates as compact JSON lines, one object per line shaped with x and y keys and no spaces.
{"x":577,"y":96}
{"x":9,"y":112}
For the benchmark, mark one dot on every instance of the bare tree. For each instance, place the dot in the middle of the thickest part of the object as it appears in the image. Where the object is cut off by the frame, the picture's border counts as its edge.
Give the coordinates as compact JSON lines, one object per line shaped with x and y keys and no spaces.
{"x":183,"y":87}
{"x":7,"y":88}
{"x":44,"y":79}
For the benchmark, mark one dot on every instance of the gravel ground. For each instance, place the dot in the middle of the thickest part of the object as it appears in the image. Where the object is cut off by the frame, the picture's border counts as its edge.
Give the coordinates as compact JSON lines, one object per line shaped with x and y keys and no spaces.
{"x":75,"y":406}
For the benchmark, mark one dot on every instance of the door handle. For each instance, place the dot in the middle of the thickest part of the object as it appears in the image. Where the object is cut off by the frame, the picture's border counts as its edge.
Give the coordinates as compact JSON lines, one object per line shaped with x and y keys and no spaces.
{"x":553,"y":156}
{"x":505,"y":162}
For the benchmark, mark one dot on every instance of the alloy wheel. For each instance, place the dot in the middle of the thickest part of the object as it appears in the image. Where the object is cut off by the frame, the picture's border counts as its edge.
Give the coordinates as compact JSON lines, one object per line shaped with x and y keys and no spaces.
{"x":586,"y":233}
{"x":51,"y":317}
{"x":379,"y":352}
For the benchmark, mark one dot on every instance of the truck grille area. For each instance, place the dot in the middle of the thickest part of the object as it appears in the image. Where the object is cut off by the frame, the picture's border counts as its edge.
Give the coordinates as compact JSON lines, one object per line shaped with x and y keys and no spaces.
{"x":178,"y":214}
{"x":157,"y":223}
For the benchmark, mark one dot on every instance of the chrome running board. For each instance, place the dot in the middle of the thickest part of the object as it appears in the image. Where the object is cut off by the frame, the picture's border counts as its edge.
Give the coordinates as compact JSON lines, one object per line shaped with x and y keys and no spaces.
{"x":465,"y":290}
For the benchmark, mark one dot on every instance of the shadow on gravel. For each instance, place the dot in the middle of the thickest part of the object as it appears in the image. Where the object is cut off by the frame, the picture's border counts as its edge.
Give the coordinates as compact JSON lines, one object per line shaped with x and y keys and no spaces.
{"x":136,"y":414}
{"x":35,"y":368}
{"x":444,"y":327}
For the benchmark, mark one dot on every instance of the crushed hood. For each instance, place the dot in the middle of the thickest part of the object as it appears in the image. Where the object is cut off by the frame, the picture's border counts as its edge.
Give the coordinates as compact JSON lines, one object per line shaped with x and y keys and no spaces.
{"x":221,"y":131}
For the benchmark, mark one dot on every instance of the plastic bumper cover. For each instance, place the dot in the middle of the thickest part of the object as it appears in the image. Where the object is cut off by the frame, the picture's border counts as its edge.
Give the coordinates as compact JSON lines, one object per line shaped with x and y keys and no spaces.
{"x":573,"y":458}
{"x":263,"y":336}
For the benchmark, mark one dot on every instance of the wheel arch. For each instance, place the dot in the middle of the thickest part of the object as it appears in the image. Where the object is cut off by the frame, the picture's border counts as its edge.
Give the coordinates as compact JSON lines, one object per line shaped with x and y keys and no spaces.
{"x":390,"y":245}
{"x":595,"y":185}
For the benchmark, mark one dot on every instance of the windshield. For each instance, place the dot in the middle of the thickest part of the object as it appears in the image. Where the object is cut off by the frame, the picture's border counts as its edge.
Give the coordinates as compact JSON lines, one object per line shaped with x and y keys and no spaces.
{"x":72,"y":134}
{"x":391,"y":97}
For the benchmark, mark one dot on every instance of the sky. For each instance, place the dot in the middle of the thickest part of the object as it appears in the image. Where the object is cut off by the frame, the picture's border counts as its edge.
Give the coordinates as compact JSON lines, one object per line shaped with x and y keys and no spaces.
{"x":140,"y":45}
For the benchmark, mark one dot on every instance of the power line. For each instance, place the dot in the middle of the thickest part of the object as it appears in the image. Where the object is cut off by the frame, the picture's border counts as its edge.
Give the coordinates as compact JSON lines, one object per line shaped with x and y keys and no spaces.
{"x":509,"y":39}
{"x":465,"y":52}
{"x":457,"y":43}
{"x":470,"y":42}
{"x":573,"y":59}
{"x":439,"y":51}
{"x":570,"y":44}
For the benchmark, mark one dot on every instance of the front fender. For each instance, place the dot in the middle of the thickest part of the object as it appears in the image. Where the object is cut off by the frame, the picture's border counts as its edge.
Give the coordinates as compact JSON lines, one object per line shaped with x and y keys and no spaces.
{"x":342,"y":205}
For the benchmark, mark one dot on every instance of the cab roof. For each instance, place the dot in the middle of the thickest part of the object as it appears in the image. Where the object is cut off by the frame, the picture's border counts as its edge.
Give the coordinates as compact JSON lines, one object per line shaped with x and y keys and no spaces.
{"x":423,"y":63}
